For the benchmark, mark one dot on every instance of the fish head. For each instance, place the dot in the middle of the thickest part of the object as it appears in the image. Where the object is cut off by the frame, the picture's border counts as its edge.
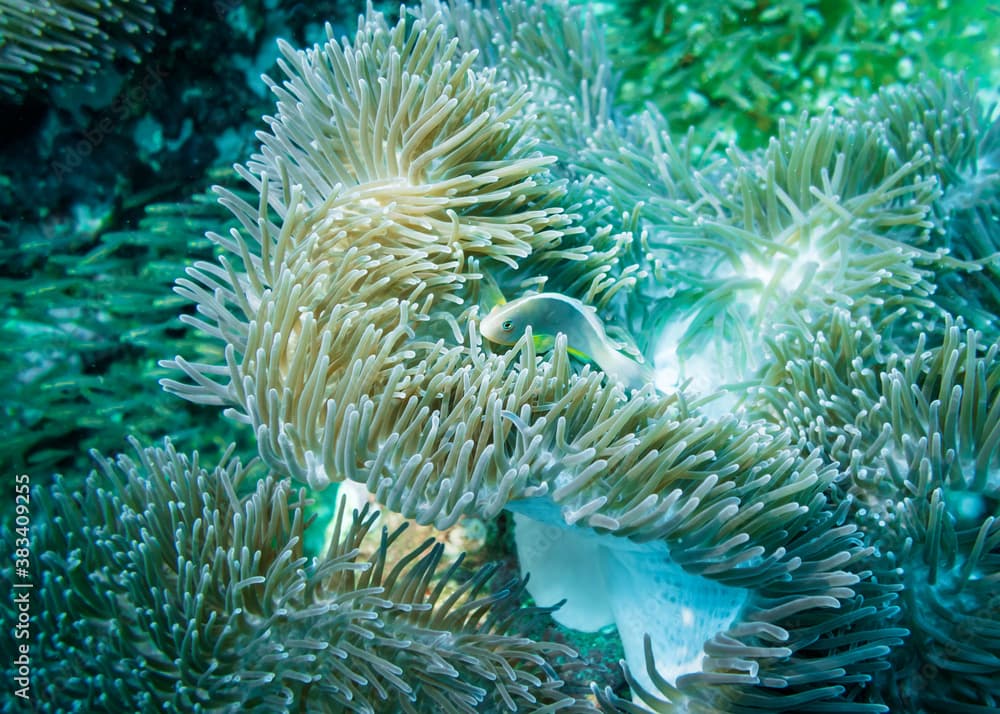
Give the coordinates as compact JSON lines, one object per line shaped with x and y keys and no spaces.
{"x":506,"y":323}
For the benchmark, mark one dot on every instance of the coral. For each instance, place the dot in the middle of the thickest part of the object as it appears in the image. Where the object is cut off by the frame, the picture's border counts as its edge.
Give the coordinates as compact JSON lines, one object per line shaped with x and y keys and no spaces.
{"x":166,"y":583}
{"x":52,"y":40}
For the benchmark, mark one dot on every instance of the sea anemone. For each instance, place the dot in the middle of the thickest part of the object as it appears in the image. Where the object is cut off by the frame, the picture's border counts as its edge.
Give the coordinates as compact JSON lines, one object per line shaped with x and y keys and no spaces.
{"x":46,"y":41}
{"x":738,"y":248}
{"x":947,"y":120}
{"x":390,"y":183}
{"x":798,"y":514}
{"x":166,"y":583}
{"x":917,"y":435}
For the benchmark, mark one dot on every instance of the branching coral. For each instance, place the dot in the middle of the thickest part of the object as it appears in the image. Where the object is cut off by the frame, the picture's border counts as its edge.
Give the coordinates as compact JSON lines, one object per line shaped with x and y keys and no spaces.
{"x":164,"y":584}
{"x":52,"y":40}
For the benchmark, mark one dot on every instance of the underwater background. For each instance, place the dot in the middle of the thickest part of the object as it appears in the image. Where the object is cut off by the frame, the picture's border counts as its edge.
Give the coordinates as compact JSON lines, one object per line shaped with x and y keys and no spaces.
{"x":224,"y":296}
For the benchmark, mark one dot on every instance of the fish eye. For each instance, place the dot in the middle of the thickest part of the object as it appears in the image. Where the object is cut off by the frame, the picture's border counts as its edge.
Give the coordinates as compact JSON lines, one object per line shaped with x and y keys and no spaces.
{"x":507,"y":326}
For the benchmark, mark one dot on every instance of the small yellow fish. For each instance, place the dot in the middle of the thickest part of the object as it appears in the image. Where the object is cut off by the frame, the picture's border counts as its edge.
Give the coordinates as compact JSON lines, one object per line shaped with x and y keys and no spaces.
{"x":552,"y":313}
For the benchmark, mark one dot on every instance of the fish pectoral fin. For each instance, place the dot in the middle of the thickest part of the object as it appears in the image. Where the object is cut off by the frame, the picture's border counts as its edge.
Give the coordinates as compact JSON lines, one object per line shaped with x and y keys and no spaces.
{"x":543,"y":343}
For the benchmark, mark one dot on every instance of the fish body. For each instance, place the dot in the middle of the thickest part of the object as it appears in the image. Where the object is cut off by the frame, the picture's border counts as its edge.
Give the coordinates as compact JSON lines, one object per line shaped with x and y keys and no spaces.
{"x":549,"y":314}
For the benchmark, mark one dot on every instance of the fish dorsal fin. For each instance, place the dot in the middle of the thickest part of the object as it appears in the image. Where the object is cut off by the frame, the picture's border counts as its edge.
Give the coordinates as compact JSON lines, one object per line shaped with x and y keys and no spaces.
{"x":490,"y":294}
